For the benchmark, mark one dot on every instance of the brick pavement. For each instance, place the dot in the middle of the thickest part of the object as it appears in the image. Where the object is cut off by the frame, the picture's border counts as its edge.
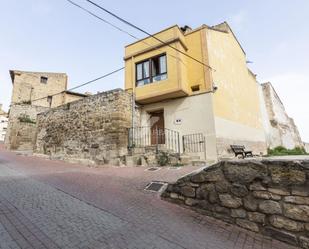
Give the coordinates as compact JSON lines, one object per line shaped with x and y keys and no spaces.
{"x":52,"y":204}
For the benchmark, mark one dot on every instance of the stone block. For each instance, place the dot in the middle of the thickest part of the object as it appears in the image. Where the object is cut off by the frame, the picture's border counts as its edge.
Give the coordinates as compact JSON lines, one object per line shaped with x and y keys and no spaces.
{"x":297,"y":200}
{"x":238,"y":213}
{"x":191,"y":202}
{"x":257,"y":217}
{"x":198,"y":178}
{"x":285,"y":223}
{"x":287,"y":175}
{"x":300,"y":192}
{"x":188,"y":191}
{"x":244,"y":172}
{"x":257,"y":186}
{"x":202,"y":192}
{"x":250,"y":203}
{"x":213,"y":175}
{"x":174,"y":196}
{"x":270,"y":207}
{"x":296,"y":212}
{"x":281,"y":235}
{"x":304,"y":242}
{"x":239,"y":190}
{"x":278,"y":191}
{"x":265,"y":195}
{"x":223,"y":186}
{"x":230,"y":201}
{"x":222,"y":210}
{"x":247,"y":225}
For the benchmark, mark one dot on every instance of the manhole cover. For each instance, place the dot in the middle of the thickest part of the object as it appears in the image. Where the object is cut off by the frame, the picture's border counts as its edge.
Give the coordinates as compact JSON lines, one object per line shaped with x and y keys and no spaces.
{"x":153,"y":169}
{"x":155,"y":186}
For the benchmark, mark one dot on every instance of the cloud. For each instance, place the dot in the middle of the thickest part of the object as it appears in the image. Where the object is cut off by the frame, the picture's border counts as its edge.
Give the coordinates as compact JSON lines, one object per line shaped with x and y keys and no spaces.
{"x":293,"y":89}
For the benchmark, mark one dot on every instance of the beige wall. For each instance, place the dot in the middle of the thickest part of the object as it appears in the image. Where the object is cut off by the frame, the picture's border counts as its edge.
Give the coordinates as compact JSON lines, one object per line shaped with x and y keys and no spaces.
{"x":281,"y":130}
{"x":27,"y":87}
{"x":236,"y":102}
{"x":3,"y":127}
{"x":196,"y":114}
{"x":72,"y":97}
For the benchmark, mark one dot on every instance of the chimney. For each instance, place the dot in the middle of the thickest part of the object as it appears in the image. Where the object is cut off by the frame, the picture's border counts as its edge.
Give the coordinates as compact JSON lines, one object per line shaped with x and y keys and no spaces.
{"x":185,"y":29}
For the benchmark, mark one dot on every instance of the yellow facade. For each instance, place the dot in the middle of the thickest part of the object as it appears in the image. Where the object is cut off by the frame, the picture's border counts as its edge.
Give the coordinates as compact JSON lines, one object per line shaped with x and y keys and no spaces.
{"x":182,"y":72}
{"x":232,"y":92}
{"x":237,"y":97}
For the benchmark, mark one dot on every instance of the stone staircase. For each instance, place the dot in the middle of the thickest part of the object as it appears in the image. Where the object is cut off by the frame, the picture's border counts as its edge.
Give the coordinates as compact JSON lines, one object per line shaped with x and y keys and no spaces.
{"x":148,"y":156}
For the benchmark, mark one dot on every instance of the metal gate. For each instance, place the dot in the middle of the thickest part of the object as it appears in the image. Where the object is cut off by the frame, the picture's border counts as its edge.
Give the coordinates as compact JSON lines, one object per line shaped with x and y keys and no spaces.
{"x":194,"y":143}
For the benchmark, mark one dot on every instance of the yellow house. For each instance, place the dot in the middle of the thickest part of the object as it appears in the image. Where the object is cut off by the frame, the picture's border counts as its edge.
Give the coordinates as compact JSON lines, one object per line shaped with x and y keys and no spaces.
{"x":208,"y":94}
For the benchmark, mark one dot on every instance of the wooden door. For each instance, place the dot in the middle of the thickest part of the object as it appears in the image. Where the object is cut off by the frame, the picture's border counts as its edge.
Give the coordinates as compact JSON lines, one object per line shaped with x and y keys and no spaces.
{"x":157,"y":128}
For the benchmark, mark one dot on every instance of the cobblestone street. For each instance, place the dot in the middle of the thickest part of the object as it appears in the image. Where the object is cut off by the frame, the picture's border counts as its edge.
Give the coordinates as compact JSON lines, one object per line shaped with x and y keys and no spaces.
{"x":52,"y":204}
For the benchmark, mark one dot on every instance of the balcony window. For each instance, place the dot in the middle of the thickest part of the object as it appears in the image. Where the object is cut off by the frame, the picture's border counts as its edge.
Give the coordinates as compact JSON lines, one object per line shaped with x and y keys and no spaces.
{"x":44,"y":80}
{"x":151,"y":70}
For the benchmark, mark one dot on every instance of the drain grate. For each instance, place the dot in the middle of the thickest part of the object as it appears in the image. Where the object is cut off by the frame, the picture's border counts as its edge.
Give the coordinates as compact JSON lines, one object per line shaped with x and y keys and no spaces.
{"x":155,"y":186}
{"x":153,"y":169}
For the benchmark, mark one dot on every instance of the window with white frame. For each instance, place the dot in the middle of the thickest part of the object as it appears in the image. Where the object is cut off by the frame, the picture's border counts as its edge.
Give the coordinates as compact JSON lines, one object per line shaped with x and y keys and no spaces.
{"x":151,"y":70}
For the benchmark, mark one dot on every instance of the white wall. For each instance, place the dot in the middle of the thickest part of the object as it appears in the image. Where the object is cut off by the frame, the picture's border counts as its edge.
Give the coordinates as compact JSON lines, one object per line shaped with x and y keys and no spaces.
{"x":282,"y":131}
{"x":3,"y":127}
{"x":196,"y":114}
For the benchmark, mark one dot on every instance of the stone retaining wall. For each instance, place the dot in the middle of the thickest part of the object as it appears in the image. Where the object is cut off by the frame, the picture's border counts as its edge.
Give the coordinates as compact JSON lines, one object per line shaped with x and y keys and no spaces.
{"x":91,"y":131}
{"x":270,"y":197}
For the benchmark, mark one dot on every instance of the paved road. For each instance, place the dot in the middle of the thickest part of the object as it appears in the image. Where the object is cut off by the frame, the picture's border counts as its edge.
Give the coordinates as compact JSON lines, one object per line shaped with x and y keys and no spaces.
{"x":52,"y":204}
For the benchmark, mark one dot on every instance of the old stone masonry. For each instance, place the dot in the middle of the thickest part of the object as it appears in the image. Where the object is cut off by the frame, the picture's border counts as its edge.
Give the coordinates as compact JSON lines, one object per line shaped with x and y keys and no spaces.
{"x":267,"y":196}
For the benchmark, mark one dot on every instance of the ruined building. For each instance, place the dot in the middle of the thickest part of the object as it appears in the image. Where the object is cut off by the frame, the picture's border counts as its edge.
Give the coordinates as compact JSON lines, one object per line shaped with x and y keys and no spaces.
{"x":280,"y":129}
{"x":33,"y":92}
{"x":3,"y":123}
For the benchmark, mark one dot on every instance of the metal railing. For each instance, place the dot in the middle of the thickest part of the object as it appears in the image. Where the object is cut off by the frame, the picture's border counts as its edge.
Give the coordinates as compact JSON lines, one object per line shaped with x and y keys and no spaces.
{"x":194,"y":143}
{"x":139,"y":137}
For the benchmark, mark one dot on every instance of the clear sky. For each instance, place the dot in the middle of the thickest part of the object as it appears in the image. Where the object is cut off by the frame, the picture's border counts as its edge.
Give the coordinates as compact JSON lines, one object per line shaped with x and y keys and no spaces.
{"x":52,"y":35}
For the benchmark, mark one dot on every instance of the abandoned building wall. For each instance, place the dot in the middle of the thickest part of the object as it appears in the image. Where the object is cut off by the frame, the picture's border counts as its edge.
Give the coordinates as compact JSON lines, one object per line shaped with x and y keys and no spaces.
{"x":21,"y":128}
{"x":34,"y":87}
{"x":91,"y":130}
{"x":3,"y":123}
{"x":269,"y":196}
{"x":282,"y":131}
{"x":236,"y":101}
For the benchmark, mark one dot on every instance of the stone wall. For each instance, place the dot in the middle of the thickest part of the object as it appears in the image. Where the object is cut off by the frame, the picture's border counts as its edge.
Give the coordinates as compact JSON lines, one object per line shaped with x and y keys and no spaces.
{"x":21,"y":128}
{"x":281,"y":129}
{"x":91,"y":130}
{"x":306,"y":147}
{"x":267,"y":196}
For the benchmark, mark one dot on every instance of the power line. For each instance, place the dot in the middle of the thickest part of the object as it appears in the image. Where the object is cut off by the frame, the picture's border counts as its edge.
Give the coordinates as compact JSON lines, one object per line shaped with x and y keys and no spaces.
{"x":114,"y":26}
{"x":147,"y":33}
{"x":103,"y":20}
{"x":83,"y":84}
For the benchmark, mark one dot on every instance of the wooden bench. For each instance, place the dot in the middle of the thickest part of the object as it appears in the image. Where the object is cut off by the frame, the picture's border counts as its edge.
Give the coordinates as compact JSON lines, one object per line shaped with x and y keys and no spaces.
{"x":240,"y":150}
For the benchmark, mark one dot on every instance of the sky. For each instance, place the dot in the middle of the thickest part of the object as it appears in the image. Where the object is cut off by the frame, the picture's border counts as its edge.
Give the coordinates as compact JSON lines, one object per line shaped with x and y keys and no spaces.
{"x":54,"y":36}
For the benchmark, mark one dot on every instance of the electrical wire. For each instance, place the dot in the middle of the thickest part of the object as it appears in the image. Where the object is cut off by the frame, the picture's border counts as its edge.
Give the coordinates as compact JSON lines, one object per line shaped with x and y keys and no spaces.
{"x":116,"y":27}
{"x":147,"y":33}
{"x":83,"y":84}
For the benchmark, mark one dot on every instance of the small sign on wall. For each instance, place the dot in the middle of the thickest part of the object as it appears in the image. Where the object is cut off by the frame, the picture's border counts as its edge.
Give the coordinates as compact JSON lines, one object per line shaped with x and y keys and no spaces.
{"x":178,"y":121}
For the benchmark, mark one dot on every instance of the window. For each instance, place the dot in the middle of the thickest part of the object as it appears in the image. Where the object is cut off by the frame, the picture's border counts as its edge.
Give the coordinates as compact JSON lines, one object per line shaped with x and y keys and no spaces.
{"x":152,"y":70}
{"x":195,"y":88}
{"x":44,"y":80}
{"x":50,"y":100}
